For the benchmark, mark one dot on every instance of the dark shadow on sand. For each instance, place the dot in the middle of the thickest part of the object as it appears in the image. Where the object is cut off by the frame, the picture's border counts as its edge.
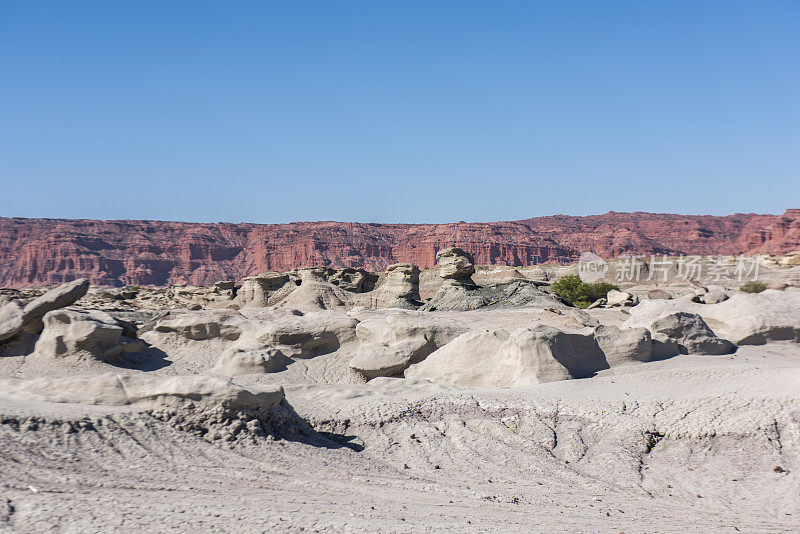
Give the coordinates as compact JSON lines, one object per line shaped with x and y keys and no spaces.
{"x":293,"y":427}
{"x":150,"y":359}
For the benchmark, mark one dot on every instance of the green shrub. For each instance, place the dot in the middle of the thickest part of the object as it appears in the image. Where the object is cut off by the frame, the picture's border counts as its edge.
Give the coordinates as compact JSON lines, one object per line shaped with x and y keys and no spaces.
{"x":754,"y":286}
{"x":578,"y":293}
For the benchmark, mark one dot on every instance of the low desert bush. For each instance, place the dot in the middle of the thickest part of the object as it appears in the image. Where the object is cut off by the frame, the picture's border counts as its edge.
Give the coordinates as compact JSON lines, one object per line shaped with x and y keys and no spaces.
{"x":754,"y":286}
{"x":578,"y":293}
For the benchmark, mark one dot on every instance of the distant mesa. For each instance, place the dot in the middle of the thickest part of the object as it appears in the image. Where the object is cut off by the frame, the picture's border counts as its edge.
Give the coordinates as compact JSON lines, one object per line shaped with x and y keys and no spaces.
{"x":37,"y":252}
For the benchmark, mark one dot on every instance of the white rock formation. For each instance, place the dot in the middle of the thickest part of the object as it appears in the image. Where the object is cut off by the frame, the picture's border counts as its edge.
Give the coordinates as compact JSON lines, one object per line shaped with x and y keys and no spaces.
{"x":11,"y":320}
{"x":242,"y":360}
{"x":312,"y":293}
{"x":256,"y":290}
{"x":400,"y":287}
{"x":181,"y":395}
{"x":455,"y":264}
{"x":744,"y":319}
{"x":57,"y":298}
{"x":203,"y":324}
{"x":83,"y":335}
{"x":616,"y":298}
{"x":513,"y":358}
{"x":389,"y":345}
{"x":624,"y":345}
{"x":307,"y":335}
{"x":714,"y":295}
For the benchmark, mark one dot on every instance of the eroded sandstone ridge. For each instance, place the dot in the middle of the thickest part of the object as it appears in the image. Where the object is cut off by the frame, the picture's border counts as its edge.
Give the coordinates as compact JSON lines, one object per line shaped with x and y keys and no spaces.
{"x":117,"y":253}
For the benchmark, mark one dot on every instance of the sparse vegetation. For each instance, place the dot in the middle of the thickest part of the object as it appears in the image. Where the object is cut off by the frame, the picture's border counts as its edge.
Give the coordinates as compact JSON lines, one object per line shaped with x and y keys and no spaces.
{"x":578,"y":293}
{"x":754,"y":286}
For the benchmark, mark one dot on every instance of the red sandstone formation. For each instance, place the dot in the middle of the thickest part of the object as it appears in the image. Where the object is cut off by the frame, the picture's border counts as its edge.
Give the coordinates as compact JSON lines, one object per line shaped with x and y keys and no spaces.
{"x":51,"y":251}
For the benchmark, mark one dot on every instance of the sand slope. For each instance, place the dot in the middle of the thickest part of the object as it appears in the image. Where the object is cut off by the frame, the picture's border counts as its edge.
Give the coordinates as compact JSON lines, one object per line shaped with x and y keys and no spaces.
{"x":688,"y":444}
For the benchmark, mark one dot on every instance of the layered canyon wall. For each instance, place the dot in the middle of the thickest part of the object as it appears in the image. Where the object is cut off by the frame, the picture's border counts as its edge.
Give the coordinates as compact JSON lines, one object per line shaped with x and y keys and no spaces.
{"x":115,"y":253}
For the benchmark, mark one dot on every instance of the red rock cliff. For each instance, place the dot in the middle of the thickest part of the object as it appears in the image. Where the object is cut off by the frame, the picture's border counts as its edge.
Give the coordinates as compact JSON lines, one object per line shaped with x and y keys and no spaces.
{"x":51,"y":251}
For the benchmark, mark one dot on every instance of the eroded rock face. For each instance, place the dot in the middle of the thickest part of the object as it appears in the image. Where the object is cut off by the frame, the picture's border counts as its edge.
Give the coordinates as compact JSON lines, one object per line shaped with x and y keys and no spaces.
{"x":256,"y":290}
{"x":213,"y":408}
{"x":201,"y":297}
{"x":456,"y":264}
{"x":57,"y":298}
{"x":311,"y":293}
{"x":616,"y":298}
{"x":714,"y":296}
{"x":688,"y":332}
{"x":520,"y":357}
{"x":456,"y":296}
{"x":11,"y":320}
{"x":240,"y":360}
{"x":744,"y":319}
{"x":201,"y":254}
{"x":355,"y":280}
{"x":459,"y":292}
{"x":203,"y":325}
{"x":525,"y":356}
{"x":550,"y":354}
{"x":389,"y":345}
{"x":400,"y":287}
{"x":658,"y":294}
{"x":308,"y":335}
{"x":624,"y":345}
{"x":84,"y":335}
{"x":476,"y":358}
{"x":15,"y":319}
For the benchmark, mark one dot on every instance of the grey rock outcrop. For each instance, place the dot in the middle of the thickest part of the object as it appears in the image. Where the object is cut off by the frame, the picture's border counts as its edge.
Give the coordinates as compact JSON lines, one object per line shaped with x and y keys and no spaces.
{"x":658,"y":294}
{"x":695,"y":295}
{"x":202,"y":325}
{"x":714,"y":295}
{"x":525,"y":356}
{"x":59,"y":297}
{"x":347,"y":279}
{"x":745,"y":319}
{"x":306,"y":336}
{"x":256,"y":290}
{"x":145,"y":391}
{"x":211,"y":407}
{"x":514,"y":358}
{"x":11,"y":320}
{"x":458,"y":292}
{"x":389,"y":345}
{"x":15,"y":319}
{"x":354,"y":280}
{"x":199,"y":297}
{"x":241,"y":360}
{"x":688,"y":332}
{"x":455,"y":296}
{"x":84,"y":335}
{"x":400,"y":287}
{"x":456,"y":264}
{"x":311,"y":293}
{"x":624,"y":345}
{"x":616,"y":298}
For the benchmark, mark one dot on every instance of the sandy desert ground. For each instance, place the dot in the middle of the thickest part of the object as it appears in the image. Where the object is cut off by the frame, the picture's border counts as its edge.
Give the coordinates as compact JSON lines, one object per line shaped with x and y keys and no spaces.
{"x":312,"y":406}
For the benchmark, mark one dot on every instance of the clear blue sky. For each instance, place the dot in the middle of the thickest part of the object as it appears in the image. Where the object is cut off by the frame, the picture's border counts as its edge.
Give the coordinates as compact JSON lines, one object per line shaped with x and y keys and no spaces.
{"x":399,"y":111}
